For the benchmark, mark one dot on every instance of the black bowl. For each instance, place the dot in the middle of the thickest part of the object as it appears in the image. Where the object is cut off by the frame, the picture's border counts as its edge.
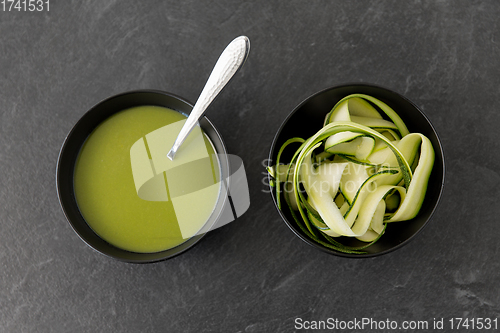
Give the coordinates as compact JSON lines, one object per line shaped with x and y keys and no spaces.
{"x":71,"y":148}
{"x":307,"y":118}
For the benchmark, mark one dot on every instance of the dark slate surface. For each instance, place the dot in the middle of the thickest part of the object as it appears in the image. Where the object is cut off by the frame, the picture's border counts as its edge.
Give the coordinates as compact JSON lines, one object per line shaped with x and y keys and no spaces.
{"x":253,"y":275}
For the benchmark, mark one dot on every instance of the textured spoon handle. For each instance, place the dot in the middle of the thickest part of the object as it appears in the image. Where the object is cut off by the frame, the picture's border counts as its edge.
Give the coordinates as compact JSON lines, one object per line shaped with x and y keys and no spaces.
{"x":231,"y":59}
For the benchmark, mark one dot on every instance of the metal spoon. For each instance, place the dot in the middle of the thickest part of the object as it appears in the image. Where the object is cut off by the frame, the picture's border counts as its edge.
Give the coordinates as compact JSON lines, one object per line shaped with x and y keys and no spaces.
{"x":230,"y":61}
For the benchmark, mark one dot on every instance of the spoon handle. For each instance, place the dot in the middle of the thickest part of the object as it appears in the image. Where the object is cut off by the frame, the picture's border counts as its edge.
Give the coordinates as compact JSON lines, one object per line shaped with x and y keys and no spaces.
{"x":232,"y":58}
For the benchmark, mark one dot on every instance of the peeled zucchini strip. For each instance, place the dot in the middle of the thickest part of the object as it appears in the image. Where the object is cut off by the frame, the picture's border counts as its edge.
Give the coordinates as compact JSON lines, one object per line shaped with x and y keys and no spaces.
{"x":317,"y":221}
{"x":314,"y":142}
{"x":330,"y":175}
{"x":380,"y":156}
{"x":333,"y":128}
{"x":330,"y":242}
{"x":281,"y":169}
{"x":291,"y":198}
{"x":340,"y":112}
{"x":377,"y":222}
{"x":374,"y":122}
{"x":410,"y":206}
{"x":323,"y":156}
{"x":320,"y":225}
{"x":368,"y":236}
{"x":277,"y":174}
{"x":370,"y":205}
{"x":361,"y":147}
{"x":354,"y":176}
{"x":379,"y":144}
{"x":323,"y":202}
{"x":367,"y":187}
{"x":390,"y":134}
{"x":409,"y":147}
{"x":398,"y":122}
{"x":351,"y":107}
{"x":341,"y":137}
{"x":361,"y":108}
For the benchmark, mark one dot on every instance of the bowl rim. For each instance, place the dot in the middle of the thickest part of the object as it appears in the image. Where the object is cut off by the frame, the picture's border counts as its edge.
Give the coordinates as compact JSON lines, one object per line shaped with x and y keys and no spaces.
{"x":183,"y":247}
{"x":291,"y":226}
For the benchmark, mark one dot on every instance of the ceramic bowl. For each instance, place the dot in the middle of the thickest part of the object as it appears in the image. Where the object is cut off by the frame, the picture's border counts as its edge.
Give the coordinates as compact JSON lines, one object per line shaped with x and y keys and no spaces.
{"x":71,"y":148}
{"x":307,"y":118}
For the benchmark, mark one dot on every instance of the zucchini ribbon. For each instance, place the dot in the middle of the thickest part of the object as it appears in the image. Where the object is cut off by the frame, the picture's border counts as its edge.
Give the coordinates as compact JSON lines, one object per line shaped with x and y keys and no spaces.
{"x":358,"y":173}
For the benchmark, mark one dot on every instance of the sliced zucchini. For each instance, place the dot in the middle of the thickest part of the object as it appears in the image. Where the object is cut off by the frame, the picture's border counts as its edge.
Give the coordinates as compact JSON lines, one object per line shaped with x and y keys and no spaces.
{"x":361,"y":108}
{"x":374,"y":122}
{"x":359,"y":172}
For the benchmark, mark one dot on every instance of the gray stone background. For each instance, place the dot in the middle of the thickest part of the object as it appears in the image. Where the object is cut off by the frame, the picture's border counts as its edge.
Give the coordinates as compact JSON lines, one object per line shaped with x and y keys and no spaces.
{"x":253,"y":275}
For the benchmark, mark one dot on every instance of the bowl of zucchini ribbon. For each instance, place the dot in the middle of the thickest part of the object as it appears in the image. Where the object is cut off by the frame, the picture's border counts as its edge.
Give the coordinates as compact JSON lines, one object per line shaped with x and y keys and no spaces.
{"x":356,"y":170}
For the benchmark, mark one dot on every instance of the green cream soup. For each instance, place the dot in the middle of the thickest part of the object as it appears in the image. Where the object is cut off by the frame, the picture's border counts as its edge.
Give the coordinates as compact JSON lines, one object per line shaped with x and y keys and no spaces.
{"x":131,"y":195}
